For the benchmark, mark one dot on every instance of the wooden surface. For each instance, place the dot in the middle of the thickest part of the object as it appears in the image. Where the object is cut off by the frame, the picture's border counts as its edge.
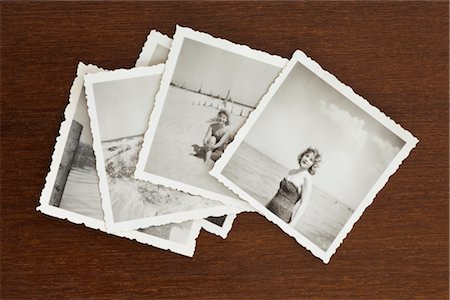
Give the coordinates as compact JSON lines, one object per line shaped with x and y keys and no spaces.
{"x":395,"y":54}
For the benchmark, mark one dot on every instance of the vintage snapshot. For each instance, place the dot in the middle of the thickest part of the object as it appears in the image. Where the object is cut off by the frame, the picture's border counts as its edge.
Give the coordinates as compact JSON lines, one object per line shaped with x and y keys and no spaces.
{"x":155,"y":51}
{"x":313,"y":155}
{"x":71,"y":191}
{"x":119,"y":105}
{"x":208,"y":89}
{"x":220,"y":226}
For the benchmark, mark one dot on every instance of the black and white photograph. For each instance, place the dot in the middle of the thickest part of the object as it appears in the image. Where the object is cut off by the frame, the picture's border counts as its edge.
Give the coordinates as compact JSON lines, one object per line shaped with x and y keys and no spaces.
{"x":313,"y":155}
{"x":155,"y":51}
{"x":220,"y":226}
{"x":209,"y":88}
{"x":72,"y":191}
{"x":119,"y":105}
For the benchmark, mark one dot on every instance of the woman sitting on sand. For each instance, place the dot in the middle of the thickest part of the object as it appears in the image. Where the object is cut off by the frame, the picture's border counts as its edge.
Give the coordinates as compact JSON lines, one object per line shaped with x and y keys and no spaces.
{"x":292,"y":198}
{"x":216,"y":139}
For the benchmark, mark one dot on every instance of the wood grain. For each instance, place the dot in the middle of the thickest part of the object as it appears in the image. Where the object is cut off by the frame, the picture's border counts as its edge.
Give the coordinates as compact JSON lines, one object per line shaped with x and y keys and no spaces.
{"x":395,"y":54}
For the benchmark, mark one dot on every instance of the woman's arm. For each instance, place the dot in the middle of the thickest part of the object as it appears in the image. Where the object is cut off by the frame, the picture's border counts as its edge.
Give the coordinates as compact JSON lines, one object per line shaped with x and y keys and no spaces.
{"x":208,"y":135}
{"x":301,"y":206}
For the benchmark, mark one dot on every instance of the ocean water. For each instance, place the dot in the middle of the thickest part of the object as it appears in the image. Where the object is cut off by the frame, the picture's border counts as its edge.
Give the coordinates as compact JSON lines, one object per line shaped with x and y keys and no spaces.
{"x":201,"y":99}
{"x":259,"y":175}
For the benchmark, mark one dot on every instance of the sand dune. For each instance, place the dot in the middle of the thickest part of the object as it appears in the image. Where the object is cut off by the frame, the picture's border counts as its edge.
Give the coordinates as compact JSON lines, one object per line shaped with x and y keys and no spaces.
{"x":132,"y":198}
{"x":81,"y":195}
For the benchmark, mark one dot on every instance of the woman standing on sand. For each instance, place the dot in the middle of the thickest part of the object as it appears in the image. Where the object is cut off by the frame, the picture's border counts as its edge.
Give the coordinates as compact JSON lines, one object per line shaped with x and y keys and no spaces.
{"x":294,"y":193}
{"x":216,"y":139}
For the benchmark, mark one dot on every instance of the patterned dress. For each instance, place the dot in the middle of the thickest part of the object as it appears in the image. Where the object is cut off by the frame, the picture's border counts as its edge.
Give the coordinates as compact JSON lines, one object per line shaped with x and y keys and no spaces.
{"x":282,"y":204}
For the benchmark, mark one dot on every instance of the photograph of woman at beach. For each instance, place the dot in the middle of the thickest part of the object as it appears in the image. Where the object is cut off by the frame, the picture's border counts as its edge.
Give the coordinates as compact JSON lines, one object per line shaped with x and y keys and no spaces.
{"x":209,"y":88}
{"x":310,"y":156}
{"x":155,"y":51}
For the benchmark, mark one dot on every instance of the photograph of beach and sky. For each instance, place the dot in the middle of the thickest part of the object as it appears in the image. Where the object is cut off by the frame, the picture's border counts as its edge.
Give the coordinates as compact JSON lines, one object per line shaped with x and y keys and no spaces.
{"x":123,"y":107}
{"x":76,"y":187}
{"x":355,"y":149}
{"x":205,"y":81}
{"x":155,"y":51}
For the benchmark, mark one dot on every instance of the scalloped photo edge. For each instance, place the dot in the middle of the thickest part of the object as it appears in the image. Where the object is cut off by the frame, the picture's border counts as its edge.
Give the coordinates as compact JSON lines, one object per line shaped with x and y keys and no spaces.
{"x":114,"y":77}
{"x":181,"y":34}
{"x":409,"y":143}
{"x":150,"y":55}
{"x":186,"y":249}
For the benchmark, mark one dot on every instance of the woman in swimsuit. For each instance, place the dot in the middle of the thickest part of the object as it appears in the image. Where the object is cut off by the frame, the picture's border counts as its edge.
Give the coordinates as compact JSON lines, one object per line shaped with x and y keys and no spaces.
{"x":216,"y":139}
{"x":292,"y":198}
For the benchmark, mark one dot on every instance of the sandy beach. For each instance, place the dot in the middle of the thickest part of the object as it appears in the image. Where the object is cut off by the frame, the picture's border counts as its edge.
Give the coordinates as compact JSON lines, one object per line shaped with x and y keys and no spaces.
{"x":175,"y":232}
{"x":184,"y":122}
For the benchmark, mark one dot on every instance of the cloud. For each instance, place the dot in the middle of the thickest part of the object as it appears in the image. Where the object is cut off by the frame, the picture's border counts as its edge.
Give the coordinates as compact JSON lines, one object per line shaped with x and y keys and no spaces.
{"x":387,"y":150}
{"x":352,"y":128}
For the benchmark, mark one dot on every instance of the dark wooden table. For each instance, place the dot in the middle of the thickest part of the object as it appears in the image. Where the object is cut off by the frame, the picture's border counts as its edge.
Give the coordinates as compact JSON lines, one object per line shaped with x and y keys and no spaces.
{"x":395,"y":54}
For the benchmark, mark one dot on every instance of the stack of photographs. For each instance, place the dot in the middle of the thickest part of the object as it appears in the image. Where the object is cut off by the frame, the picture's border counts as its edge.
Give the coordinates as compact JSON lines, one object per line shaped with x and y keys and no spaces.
{"x":203,"y":129}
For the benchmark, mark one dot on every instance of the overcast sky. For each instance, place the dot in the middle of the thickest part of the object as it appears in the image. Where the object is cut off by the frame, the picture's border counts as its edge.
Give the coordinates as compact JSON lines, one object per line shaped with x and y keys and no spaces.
{"x":124,"y":106}
{"x":217,"y":71}
{"x":306,"y":111}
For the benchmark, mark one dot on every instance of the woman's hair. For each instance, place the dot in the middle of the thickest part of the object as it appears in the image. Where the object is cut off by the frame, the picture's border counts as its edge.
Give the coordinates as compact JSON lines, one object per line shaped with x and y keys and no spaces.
{"x":317,"y":159}
{"x":221,"y":112}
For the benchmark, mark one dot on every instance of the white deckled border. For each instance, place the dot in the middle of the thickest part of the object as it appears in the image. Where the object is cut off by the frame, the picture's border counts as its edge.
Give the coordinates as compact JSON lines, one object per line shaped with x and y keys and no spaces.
{"x":221,"y":231}
{"x":111,"y":225}
{"x":180,"y":34}
{"x":44,"y":206}
{"x":155,"y":39}
{"x":410,"y":143}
